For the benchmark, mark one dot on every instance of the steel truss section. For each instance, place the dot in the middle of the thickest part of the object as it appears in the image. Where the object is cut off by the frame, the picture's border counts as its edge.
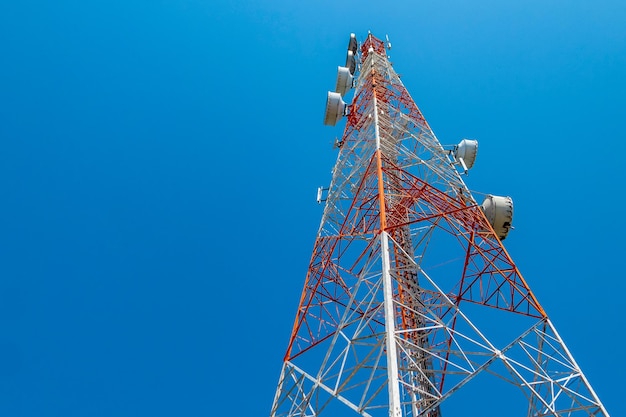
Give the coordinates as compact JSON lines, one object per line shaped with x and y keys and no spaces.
{"x":410,"y":297}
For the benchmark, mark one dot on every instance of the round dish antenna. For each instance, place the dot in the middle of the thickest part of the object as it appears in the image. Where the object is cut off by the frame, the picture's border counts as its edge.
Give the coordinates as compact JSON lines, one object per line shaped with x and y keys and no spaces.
{"x":465,"y":152}
{"x":499,"y":212}
{"x":352,"y":44}
{"x":344,"y":80}
{"x":335,"y":109}
{"x":351,"y":62}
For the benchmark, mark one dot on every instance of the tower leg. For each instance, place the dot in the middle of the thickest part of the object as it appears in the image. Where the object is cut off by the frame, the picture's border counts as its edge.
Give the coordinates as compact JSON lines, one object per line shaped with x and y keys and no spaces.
{"x":390,"y":330}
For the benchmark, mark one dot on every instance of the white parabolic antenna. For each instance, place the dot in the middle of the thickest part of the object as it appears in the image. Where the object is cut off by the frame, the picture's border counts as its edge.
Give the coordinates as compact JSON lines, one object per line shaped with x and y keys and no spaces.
{"x":466,"y":152}
{"x":335,"y":109}
{"x":499,"y":212}
{"x":344,"y":80}
{"x":352,"y":43}
{"x":351,"y":62}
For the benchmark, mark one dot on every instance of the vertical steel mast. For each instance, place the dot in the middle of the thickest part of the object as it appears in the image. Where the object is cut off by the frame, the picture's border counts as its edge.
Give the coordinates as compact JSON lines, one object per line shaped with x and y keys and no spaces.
{"x":410,"y":296}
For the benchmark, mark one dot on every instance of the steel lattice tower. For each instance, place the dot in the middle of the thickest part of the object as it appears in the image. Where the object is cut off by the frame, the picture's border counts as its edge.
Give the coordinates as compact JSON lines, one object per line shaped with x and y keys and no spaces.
{"x":410,"y":296}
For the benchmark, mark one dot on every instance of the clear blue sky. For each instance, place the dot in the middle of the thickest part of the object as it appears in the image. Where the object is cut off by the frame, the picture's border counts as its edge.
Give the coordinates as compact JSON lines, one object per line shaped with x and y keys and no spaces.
{"x":160,"y":159}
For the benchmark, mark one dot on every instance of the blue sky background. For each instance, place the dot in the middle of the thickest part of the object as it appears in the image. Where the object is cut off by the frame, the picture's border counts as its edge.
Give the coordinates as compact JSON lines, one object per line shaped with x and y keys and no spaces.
{"x":159,"y":165}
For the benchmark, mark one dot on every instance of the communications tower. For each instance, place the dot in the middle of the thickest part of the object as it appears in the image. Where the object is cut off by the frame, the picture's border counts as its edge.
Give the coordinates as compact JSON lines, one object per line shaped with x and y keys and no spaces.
{"x":411,"y":302}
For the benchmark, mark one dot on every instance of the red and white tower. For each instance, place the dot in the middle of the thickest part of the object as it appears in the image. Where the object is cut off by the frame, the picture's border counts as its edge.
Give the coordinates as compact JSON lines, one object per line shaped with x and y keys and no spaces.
{"x":411,"y":299}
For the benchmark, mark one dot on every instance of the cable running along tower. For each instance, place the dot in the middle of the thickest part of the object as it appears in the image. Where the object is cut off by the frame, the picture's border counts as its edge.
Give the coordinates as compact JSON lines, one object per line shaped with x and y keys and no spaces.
{"x":411,"y":302}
